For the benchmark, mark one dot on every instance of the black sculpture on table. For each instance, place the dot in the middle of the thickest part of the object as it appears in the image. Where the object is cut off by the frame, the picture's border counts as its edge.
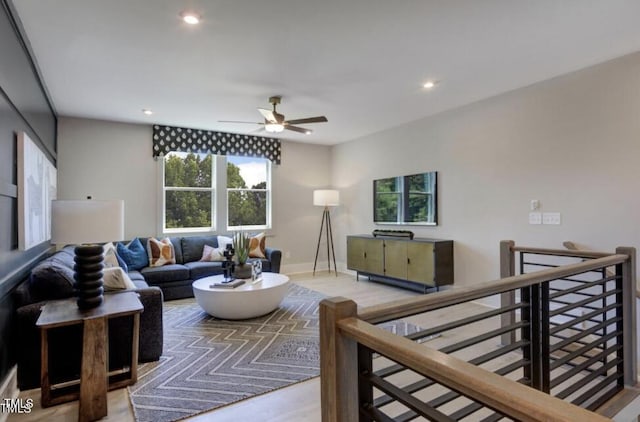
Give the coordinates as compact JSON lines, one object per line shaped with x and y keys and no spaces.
{"x":228,"y":265}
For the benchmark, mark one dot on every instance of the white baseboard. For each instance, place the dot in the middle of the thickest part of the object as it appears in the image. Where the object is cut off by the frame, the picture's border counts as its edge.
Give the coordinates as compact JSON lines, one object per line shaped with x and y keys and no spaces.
{"x":9,"y":389}
{"x":307,"y":267}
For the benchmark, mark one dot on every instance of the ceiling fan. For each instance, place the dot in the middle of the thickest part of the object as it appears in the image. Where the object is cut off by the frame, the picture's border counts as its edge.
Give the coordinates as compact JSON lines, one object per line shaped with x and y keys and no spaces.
{"x":274,"y":122}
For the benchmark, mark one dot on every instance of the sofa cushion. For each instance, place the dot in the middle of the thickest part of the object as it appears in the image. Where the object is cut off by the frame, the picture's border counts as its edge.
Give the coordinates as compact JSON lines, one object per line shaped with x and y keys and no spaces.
{"x":171,"y":272}
{"x":52,"y":279}
{"x":200,"y":269}
{"x":134,"y":254}
{"x":160,"y":252}
{"x":193,"y":246}
{"x":136,"y":276}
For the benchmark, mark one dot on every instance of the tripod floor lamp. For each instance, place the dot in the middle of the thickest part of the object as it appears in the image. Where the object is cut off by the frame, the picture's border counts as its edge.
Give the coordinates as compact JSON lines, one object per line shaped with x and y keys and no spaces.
{"x":326,"y":199}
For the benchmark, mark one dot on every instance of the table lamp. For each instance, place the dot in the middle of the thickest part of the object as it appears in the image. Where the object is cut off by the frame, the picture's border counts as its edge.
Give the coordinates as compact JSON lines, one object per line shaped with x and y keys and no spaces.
{"x":326,"y":198}
{"x":87,"y":224}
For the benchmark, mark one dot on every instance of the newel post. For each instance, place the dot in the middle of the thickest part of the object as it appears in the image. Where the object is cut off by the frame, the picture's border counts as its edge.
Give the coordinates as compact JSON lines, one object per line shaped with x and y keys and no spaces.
{"x":629,"y":315}
{"x":338,"y":362}
{"x":507,"y":269}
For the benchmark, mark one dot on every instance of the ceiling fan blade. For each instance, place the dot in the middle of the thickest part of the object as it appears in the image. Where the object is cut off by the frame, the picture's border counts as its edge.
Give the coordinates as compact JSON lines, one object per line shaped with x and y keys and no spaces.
{"x":268,"y":115}
{"x":318,"y":119}
{"x":237,"y":121}
{"x":298,"y":129}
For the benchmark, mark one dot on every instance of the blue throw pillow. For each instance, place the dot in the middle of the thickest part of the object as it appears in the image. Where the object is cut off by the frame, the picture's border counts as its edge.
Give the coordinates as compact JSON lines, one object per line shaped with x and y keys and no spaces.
{"x":133,"y":254}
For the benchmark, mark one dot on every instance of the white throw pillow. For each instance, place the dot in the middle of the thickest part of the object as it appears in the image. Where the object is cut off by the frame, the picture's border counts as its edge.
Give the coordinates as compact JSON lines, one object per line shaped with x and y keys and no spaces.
{"x":109,"y":255}
{"x":116,"y":279}
{"x":223,"y":241}
{"x":210,"y":253}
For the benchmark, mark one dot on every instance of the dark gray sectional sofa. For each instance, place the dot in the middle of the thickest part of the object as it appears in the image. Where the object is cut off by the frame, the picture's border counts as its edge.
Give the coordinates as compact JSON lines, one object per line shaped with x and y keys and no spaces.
{"x":175,"y":279}
{"x":52,"y":279}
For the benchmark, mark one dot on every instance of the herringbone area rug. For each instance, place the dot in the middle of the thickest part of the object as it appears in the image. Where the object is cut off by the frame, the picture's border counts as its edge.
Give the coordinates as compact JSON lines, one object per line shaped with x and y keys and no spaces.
{"x":208,"y":363}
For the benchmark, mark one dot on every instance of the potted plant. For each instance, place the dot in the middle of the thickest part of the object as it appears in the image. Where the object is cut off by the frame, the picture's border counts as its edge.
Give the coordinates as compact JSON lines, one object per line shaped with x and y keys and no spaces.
{"x":241,"y":245}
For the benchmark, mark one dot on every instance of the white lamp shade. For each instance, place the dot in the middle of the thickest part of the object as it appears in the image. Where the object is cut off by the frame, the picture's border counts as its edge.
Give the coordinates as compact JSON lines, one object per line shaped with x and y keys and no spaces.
{"x":326,"y":198}
{"x":74,"y":222}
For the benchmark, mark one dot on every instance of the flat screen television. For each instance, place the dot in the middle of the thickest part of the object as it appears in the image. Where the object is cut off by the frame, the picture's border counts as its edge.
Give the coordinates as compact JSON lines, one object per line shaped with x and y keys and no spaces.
{"x":406,"y":199}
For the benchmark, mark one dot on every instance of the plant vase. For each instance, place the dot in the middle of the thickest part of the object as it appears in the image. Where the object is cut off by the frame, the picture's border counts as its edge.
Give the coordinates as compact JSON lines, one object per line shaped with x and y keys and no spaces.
{"x":241,"y":246}
{"x":242,"y":271}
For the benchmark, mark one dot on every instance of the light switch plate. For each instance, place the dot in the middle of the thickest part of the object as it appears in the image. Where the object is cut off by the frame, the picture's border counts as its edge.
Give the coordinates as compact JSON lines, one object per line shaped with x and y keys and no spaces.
{"x":535,"y":218}
{"x":551,"y":218}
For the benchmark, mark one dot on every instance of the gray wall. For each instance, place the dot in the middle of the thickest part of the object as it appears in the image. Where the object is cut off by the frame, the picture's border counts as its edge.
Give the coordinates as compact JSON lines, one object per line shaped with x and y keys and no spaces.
{"x":23,"y":108}
{"x":571,"y":142}
{"x":109,"y":160}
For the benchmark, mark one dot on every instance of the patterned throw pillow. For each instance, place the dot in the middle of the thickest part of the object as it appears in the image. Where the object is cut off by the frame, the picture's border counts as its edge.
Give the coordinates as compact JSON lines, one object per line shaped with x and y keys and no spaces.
{"x":210,"y":254}
{"x":134,"y":254}
{"x":257,"y":246}
{"x":160,"y":252}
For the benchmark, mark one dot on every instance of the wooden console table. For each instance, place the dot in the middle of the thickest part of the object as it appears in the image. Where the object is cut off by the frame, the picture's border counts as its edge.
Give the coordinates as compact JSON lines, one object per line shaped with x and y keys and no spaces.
{"x":94,"y":377}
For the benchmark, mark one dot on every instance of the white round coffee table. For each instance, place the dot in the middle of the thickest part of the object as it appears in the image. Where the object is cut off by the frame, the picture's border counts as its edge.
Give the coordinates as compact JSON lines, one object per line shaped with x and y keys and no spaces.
{"x":250,"y":300}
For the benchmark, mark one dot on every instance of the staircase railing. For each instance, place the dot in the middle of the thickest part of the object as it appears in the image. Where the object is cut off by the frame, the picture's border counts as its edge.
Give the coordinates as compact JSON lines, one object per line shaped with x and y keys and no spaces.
{"x":523,"y":360}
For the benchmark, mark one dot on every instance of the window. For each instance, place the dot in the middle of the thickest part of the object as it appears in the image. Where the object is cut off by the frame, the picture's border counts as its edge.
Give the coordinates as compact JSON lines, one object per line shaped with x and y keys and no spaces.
{"x":194,"y":199}
{"x":189,"y":191}
{"x":248,"y":192}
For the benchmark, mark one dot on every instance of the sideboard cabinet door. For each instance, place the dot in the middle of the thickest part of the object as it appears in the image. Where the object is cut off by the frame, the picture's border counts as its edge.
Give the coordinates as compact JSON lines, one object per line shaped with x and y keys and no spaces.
{"x":365,"y":255}
{"x":395,"y":259}
{"x":420,"y":263}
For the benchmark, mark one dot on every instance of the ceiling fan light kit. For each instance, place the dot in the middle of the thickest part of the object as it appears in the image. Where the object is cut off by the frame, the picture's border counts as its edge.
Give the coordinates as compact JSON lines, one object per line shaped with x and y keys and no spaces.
{"x":275,"y":122}
{"x":273,"y":127}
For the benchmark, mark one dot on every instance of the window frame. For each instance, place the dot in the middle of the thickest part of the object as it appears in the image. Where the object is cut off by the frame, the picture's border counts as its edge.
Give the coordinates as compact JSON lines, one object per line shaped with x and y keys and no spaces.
{"x":268,"y":207}
{"x":219,"y":197}
{"x":163,"y":199}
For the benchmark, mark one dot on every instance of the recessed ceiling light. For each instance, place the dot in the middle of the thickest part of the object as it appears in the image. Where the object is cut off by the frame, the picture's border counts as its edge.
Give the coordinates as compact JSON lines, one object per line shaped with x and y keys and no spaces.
{"x":308,"y":132}
{"x":147,"y":111}
{"x":429,"y":85}
{"x":190,"y":18}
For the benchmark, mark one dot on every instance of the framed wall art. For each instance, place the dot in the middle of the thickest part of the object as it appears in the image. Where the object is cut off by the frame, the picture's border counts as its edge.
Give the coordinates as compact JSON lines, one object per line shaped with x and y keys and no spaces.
{"x":37,"y":186}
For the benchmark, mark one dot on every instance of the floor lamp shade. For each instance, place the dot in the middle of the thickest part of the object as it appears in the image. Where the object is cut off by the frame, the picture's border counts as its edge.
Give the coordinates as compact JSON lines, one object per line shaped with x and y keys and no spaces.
{"x":87,"y":224}
{"x":326,"y":198}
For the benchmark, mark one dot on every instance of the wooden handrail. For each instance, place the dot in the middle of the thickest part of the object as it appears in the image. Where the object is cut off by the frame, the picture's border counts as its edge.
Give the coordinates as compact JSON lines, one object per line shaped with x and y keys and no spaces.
{"x":571,"y":253}
{"x":499,"y":393}
{"x":411,"y":306}
{"x":572,"y":247}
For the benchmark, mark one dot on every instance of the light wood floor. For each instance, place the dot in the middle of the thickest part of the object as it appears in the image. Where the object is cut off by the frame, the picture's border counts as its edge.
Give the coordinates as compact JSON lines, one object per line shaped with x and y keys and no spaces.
{"x":299,"y":402}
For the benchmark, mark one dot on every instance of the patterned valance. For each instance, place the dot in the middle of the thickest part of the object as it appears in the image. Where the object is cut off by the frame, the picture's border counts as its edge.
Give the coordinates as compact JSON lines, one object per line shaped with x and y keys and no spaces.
{"x":171,"y":138}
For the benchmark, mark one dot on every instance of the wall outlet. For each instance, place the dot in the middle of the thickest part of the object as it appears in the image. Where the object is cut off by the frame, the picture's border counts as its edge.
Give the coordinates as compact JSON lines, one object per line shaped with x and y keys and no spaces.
{"x":535,"y":218}
{"x":534,"y":205}
{"x":551,"y":218}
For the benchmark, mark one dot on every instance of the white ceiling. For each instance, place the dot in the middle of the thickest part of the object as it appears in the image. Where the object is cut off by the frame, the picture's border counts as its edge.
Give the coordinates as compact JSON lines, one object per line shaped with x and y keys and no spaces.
{"x":361,"y":63}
